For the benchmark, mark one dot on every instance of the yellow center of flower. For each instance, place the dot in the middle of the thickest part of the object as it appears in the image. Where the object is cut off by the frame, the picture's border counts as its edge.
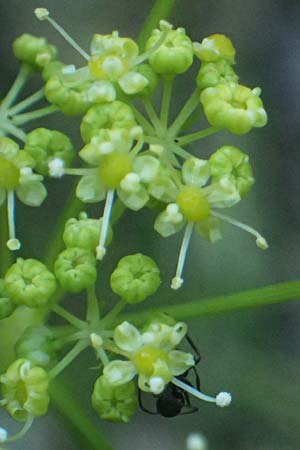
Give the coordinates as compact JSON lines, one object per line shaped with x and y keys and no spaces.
{"x":146,"y":357}
{"x":113,"y":169}
{"x":193,"y":204}
{"x":9,"y":174}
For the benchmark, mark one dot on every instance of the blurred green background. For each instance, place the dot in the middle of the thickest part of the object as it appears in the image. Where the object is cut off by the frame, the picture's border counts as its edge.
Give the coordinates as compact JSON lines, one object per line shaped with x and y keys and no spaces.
{"x":254,"y":354}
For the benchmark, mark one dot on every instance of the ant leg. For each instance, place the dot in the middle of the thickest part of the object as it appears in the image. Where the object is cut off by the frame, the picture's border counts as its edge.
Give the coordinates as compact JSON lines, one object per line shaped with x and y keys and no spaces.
{"x":197,"y":353}
{"x":142,"y":406}
{"x":189,"y":409}
{"x":197,"y":360}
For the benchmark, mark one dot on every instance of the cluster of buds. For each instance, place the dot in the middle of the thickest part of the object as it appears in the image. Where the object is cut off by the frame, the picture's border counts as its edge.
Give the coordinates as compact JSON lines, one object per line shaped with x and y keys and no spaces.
{"x":140,"y":157}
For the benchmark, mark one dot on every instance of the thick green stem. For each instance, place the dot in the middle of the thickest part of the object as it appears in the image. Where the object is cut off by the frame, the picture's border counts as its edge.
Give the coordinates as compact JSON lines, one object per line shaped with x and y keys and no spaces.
{"x":268,"y":295}
{"x":162,"y":9}
{"x":87,"y":435}
{"x":6,"y":257}
{"x":184,"y":140}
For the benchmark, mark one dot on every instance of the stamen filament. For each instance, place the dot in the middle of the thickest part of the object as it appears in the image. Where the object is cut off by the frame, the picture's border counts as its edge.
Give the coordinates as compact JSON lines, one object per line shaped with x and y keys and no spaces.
{"x":24,"y":430}
{"x":13,"y":243}
{"x":79,"y":171}
{"x":193,"y":391}
{"x":177,"y":280}
{"x":138,"y":146}
{"x":101,"y":250}
{"x":260,"y":240}
{"x":153,"y":49}
{"x":67,"y":37}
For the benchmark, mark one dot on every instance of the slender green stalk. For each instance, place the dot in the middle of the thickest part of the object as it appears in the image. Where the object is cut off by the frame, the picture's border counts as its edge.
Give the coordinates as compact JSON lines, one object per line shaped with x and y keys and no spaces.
{"x":16,"y":87}
{"x":162,"y":9}
{"x":93,"y":313}
{"x":166,"y":100}
{"x":8,"y":127}
{"x":27,"y":102}
{"x":184,"y":140}
{"x":32,"y":115}
{"x":114,"y":312}
{"x":152,"y":115}
{"x":268,"y":295}
{"x":70,"y":356}
{"x":69,"y":317}
{"x":189,"y":107}
{"x":71,"y":209}
{"x":142,"y":120}
{"x":87,"y":435}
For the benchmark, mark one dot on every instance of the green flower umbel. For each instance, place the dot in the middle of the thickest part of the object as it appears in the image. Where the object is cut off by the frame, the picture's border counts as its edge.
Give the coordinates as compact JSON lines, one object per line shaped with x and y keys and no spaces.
{"x":16,"y":176}
{"x":25,"y":390}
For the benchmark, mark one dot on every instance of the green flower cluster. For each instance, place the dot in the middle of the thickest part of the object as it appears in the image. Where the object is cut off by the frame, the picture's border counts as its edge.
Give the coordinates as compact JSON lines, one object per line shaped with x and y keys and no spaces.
{"x":135,"y":153}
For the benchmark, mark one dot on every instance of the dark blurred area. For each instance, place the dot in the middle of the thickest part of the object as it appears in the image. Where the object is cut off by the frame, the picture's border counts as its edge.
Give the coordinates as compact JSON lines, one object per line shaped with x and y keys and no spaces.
{"x":254,"y":354}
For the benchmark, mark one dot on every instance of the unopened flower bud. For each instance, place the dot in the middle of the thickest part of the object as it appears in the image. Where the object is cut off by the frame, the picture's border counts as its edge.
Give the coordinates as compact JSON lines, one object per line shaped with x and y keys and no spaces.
{"x":75,"y":269}
{"x":25,"y":390}
{"x":37,"y":345}
{"x":135,"y":278}
{"x":114,"y":403}
{"x":30,"y":283}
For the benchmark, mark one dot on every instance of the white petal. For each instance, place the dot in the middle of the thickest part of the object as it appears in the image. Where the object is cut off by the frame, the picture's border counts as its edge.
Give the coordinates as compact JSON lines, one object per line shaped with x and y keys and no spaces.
{"x":119,"y":372}
{"x":127,"y":337}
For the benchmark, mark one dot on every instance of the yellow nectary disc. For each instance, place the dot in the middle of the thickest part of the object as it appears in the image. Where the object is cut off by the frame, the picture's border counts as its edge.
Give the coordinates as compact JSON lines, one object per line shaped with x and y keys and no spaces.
{"x":113,"y":169}
{"x":193,"y":204}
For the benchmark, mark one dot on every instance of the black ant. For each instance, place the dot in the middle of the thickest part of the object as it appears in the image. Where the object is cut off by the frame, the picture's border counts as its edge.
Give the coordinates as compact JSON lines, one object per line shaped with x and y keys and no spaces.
{"x":174,"y":401}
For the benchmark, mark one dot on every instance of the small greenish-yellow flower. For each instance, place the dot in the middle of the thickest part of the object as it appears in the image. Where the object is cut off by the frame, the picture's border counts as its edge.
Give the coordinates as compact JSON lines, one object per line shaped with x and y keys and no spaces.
{"x":68,"y":89}
{"x":33,"y":50}
{"x":37,"y":345}
{"x":174,"y":56}
{"x":114,"y":59}
{"x":45,"y":145}
{"x":150,"y":354}
{"x":135,"y":278}
{"x":231,"y":163}
{"x":108,"y":116}
{"x":233,"y":107}
{"x":84,"y":232}
{"x":25,"y":390}
{"x":75,"y":269}
{"x":220,"y":72}
{"x":7,"y":307}
{"x":17,"y":176}
{"x":29,"y":282}
{"x":195,"y":202}
{"x":214,"y":48}
{"x":114,"y":403}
